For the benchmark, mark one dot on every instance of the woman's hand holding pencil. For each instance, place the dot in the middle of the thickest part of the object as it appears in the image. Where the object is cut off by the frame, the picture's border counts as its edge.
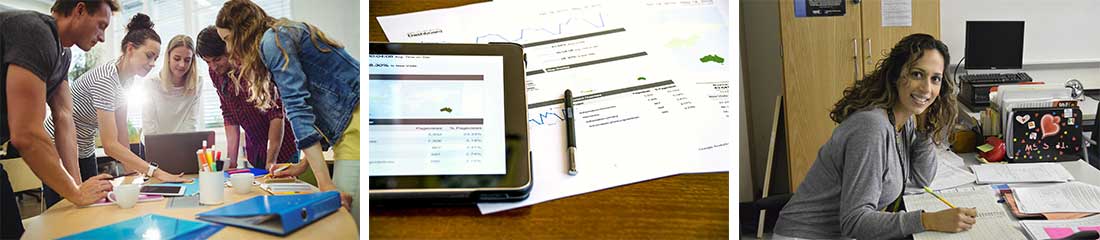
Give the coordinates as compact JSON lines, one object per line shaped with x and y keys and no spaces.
{"x":952,"y":219}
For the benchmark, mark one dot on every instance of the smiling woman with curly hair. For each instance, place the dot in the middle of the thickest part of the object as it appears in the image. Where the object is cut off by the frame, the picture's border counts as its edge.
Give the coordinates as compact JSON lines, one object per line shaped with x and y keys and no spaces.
{"x":889,"y":123}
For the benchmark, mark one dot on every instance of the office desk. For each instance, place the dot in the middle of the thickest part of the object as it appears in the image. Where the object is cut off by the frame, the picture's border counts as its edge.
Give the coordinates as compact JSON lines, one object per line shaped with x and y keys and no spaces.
{"x":64,"y":219}
{"x":691,"y":206}
{"x":1081,"y":171}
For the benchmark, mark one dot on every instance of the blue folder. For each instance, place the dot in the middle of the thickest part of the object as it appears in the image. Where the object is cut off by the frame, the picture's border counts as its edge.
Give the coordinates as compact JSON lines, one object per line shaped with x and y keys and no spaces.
{"x":279,"y":215}
{"x":151,"y":226}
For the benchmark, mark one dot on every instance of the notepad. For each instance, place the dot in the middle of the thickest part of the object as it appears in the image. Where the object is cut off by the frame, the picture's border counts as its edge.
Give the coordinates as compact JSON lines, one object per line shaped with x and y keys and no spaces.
{"x":1063,"y":197}
{"x":141,"y":198}
{"x":1048,"y":229}
{"x":151,"y":226}
{"x":1021,"y":173}
{"x":287,"y":188}
{"x":993,"y":222}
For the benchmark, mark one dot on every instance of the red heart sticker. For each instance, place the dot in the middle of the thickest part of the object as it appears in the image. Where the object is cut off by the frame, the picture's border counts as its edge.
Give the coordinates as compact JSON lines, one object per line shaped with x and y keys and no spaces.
{"x":1049,"y":125}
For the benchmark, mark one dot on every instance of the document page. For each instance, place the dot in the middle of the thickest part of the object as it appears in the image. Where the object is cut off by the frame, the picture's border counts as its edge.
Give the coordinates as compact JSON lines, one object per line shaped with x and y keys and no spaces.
{"x":1062,"y":197}
{"x":1042,"y":229}
{"x":1021,"y":172}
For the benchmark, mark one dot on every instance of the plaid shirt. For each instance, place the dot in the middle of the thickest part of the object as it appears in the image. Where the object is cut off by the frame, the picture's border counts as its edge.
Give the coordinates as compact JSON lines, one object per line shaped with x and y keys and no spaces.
{"x":236,"y":110}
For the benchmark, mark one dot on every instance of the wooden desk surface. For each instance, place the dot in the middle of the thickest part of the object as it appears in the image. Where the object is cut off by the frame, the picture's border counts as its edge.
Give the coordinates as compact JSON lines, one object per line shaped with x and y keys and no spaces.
{"x":683,"y":206}
{"x":64,"y":219}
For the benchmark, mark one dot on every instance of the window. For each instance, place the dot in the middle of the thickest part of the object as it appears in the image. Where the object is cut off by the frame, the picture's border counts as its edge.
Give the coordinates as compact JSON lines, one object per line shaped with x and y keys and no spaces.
{"x":171,"y":18}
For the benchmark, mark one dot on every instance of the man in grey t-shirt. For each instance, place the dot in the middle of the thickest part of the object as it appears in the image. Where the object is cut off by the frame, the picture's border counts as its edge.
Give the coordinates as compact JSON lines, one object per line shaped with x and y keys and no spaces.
{"x":34,"y":61}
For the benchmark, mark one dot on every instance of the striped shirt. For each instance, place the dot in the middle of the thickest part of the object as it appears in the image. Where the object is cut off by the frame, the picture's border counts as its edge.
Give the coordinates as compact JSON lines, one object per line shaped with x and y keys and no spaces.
{"x":236,"y":110}
{"x":100,"y":89}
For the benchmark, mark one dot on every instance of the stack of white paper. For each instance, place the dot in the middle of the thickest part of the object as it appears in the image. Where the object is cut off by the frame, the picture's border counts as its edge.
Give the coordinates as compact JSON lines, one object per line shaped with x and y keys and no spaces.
{"x":1037,"y":229}
{"x":1021,"y":173}
{"x":1063,"y":197}
{"x":948,"y":175}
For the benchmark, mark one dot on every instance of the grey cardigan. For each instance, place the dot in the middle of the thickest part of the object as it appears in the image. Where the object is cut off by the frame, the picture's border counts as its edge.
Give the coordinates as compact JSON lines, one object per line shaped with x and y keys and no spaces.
{"x":858,"y":174}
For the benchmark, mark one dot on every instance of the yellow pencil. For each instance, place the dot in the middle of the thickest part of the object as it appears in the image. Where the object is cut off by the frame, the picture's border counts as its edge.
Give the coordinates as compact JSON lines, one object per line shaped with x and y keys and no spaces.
{"x":929,"y":190}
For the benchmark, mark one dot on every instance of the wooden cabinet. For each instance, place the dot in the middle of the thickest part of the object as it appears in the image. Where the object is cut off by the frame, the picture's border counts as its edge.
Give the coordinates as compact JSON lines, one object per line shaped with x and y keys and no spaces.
{"x":824,"y":55}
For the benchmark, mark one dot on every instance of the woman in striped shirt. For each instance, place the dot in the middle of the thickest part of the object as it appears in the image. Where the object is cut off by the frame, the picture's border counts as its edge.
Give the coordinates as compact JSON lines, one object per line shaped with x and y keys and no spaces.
{"x":98,"y":103}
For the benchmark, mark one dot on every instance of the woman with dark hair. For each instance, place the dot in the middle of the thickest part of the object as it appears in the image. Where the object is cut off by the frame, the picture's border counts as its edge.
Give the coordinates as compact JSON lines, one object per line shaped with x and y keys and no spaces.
{"x":317,"y":81}
{"x":889,"y":123}
{"x":99,"y":106}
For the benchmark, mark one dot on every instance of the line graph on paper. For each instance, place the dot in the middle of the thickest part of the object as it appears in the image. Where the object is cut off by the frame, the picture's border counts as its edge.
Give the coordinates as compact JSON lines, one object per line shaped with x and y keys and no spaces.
{"x":570,"y":25}
{"x":551,"y":116}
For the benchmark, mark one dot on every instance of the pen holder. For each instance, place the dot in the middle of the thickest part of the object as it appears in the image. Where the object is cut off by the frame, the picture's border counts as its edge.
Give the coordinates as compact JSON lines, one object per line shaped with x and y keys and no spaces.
{"x":211,"y":187}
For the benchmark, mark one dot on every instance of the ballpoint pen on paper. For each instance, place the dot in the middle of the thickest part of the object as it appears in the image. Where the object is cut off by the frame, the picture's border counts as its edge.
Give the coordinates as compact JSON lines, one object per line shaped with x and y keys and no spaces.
{"x":929,"y":190}
{"x":571,"y":138}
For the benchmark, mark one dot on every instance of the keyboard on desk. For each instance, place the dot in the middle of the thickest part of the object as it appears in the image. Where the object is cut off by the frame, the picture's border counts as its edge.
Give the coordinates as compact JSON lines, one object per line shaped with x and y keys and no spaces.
{"x":996,"y":78}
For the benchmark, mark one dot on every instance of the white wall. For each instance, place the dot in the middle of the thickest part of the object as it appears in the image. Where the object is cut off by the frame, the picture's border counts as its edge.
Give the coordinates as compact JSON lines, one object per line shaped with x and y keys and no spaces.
{"x":1061,"y":37}
{"x":339,"y":19}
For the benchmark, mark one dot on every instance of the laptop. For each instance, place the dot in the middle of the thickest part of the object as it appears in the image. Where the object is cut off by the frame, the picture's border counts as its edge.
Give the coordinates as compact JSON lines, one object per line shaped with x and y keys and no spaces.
{"x":1051,"y":134}
{"x":175,"y":152}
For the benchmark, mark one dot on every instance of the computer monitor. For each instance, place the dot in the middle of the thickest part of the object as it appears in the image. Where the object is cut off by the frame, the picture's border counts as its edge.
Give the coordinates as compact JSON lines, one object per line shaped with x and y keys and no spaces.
{"x":994,"y":46}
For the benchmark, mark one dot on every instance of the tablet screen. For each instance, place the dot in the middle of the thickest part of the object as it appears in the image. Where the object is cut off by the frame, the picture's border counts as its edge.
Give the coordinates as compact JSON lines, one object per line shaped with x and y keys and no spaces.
{"x":436,"y":115}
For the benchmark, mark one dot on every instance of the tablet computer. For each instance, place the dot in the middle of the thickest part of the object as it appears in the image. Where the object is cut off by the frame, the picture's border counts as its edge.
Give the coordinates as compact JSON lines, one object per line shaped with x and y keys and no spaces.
{"x":162,"y":190}
{"x":448,"y":122}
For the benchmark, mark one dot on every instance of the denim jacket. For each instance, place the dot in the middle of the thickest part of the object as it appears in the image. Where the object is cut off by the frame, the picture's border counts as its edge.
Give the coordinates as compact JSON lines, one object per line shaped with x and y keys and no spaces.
{"x":319,"y":90}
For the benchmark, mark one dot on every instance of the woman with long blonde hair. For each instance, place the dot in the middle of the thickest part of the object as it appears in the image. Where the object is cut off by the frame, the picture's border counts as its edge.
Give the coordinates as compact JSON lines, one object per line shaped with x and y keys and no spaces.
{"x":317,"y":81}
{"x":172,"y":104}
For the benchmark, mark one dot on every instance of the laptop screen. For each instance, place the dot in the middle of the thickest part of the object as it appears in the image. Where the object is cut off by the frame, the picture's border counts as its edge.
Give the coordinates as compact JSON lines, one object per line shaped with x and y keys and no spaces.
{"x":993,"y":45}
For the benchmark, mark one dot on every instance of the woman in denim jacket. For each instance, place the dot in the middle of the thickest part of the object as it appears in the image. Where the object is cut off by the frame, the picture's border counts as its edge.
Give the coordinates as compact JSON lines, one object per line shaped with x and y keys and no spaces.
{"x":317,"y":81}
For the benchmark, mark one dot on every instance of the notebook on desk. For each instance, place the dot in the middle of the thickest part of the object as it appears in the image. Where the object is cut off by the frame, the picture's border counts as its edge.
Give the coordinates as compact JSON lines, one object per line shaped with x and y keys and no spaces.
{"x":993,"y":222}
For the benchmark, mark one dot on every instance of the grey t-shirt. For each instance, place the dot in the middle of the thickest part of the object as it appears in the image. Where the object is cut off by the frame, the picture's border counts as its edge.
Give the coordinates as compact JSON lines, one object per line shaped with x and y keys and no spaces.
{"x":858,"y":174}
{"x":30,"y":40}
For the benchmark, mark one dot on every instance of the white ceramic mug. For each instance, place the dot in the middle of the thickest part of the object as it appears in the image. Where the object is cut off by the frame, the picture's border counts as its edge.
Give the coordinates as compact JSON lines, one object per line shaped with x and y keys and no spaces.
{"x":125,"y":195}
{"x":242,"y":182}
{"x":211,"y":188}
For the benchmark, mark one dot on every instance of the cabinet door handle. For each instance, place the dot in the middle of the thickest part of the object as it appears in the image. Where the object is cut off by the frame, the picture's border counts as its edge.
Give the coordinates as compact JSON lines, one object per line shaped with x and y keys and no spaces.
{"x":869,"y":57}
{"x":855,"y":58}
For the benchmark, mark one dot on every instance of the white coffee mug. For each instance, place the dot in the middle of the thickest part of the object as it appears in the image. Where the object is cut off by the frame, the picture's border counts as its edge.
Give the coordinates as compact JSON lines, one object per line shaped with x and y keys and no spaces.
{"x":242,"y":182}
{"x":125,"y":195}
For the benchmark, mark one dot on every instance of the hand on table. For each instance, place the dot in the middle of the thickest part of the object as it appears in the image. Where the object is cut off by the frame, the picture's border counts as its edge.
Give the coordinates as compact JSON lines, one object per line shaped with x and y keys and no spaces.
{"x":93,"y":189}
{"x":292,"y":171}
{"x":166,"y":177}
